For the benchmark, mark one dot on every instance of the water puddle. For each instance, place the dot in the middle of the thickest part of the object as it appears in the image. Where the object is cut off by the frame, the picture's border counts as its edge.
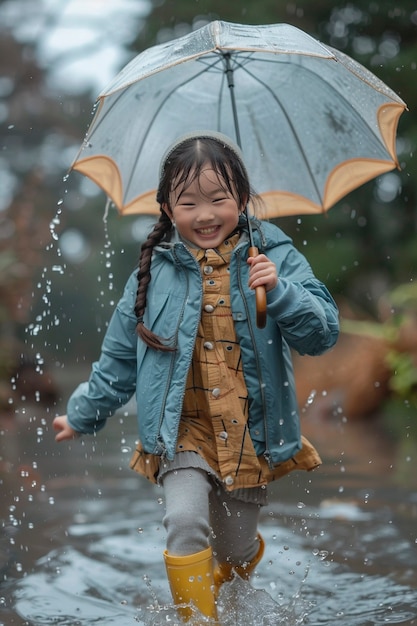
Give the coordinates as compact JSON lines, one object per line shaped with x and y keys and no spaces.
{"x":83,"y":540}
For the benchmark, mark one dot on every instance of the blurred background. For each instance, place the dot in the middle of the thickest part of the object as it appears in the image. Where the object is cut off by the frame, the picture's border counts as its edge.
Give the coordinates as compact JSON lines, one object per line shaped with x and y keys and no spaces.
{"x":69,"y":514}
{"x":62,"y":268}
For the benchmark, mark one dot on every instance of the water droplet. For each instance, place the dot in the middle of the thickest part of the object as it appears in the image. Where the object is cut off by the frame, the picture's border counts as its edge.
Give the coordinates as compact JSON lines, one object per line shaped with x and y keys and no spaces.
{"x":311,"y":397}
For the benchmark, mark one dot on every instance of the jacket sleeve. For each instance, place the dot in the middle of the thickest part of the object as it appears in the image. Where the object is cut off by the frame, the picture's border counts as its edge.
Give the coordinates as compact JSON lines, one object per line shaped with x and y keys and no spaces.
{"x":113,"y":377}
{"x":301,"y":305}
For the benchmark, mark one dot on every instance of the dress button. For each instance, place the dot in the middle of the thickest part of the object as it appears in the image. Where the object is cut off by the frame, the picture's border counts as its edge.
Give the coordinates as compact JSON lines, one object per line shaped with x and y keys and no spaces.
{"x":229,"y":480}
{"x":208,"y":269}
{"x":209,"y":308}
{"x":208,"y":345}
{"x":215,"y":392}
{"x":223,"y":435}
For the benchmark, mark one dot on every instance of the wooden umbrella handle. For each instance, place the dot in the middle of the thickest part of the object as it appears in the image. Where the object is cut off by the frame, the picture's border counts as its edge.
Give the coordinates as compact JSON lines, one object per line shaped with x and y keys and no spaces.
{"x":260,"y":296}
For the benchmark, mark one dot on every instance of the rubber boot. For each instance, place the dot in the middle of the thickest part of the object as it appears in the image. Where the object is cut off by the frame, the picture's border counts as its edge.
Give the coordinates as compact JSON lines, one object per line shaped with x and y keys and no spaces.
{"x":191,"y":580}
{"x":224,"y":572}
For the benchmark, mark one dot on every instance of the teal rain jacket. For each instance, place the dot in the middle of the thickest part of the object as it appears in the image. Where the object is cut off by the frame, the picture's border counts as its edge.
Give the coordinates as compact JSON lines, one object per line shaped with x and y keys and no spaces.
{"x":301,"y":315}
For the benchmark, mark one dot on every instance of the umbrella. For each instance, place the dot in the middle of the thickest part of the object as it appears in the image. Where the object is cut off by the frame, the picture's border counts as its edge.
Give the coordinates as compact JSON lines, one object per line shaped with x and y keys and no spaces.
{"x":313,"y":124}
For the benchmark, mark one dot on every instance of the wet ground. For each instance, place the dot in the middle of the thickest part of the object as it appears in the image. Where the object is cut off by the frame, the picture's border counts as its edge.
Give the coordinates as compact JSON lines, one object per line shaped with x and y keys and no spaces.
{"x":82,"y":539}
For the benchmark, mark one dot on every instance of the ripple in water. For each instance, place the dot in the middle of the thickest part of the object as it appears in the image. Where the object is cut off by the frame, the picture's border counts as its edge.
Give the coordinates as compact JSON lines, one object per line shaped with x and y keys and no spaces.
{"x":71,"y":589}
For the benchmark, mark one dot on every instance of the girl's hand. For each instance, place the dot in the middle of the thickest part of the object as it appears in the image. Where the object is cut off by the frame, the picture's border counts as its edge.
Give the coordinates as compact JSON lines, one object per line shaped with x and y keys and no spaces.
{"x":262,"y":272}
{"x":65,"y":431}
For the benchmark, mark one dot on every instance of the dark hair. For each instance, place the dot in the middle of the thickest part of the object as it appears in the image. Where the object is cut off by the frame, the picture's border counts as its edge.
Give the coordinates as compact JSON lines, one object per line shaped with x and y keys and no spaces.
{"x":181,"y":167}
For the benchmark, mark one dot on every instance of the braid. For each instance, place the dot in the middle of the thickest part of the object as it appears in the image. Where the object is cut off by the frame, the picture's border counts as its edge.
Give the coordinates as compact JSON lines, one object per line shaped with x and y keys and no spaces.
{"x":144,"y":278}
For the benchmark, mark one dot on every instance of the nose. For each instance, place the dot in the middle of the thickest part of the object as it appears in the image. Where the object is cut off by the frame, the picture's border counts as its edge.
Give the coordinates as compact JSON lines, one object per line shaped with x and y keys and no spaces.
{"x":205,"y":213}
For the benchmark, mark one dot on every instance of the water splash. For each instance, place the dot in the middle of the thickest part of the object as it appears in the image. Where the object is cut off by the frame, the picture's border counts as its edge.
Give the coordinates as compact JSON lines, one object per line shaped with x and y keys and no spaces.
{"x":45,"y":320}
{"x":238,"y":598}
{"x":239,"y":604}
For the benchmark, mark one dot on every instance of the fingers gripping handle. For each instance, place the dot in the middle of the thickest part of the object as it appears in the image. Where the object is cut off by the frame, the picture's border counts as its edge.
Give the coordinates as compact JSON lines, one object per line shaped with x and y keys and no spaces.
{"x":260,"y":297}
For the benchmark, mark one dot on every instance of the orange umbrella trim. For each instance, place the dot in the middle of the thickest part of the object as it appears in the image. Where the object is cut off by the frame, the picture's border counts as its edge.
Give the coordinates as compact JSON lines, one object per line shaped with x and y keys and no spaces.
{"x":105,"y":173}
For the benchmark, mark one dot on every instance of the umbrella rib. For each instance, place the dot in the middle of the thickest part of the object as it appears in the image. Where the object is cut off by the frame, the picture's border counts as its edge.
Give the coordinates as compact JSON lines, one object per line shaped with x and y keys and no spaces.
{"x":94,"y":126}
{"x":248,"y":58}
{"x":161,"y":106}
{"x":274,"y":96}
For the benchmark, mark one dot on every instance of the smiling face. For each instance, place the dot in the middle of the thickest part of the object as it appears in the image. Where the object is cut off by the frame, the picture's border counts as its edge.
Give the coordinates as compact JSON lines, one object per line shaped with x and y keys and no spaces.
{"x":205,"y":211}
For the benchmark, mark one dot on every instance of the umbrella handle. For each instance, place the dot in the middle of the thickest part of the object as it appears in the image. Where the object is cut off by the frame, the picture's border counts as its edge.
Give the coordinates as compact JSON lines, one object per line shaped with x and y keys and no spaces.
{"x":260,"y":296}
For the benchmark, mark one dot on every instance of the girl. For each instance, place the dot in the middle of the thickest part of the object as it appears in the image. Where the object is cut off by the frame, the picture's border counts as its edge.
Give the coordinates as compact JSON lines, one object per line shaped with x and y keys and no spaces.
{"x":217,"y":410}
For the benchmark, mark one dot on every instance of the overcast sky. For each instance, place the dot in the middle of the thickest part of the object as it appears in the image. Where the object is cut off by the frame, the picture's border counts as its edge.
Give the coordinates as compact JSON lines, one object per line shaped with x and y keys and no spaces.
{"x":81,"y":42}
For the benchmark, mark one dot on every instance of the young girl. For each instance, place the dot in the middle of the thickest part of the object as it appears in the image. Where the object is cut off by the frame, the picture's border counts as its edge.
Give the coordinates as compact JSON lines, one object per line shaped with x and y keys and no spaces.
{"x":216,"y":403}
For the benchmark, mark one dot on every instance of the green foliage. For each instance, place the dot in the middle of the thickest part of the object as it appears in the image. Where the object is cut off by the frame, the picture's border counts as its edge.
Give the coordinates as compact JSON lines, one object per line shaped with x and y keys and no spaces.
{"x":404,"y":379}
{"x":399,"y":331}
{"x":404,"y":364}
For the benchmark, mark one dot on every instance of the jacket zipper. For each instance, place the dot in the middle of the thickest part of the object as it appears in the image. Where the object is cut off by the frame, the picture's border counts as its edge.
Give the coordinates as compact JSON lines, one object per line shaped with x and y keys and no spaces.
{"x":267,"y":454}
{"x":194,"y":334}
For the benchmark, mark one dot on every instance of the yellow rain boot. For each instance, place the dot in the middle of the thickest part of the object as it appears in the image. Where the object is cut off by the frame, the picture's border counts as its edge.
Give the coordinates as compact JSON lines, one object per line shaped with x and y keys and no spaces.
{"x":191,"y":580}
{"x":223,"y":572}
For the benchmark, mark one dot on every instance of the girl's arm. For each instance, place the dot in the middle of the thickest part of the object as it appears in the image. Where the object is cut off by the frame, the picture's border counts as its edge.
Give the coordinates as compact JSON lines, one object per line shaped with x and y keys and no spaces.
{"x":301,"y":305}
{"x":113,"y":377}
{"x":65,"y":431}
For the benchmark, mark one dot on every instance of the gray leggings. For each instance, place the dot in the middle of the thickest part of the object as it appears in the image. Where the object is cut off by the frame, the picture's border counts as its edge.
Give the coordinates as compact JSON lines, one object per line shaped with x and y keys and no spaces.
{"x":199,"y":513}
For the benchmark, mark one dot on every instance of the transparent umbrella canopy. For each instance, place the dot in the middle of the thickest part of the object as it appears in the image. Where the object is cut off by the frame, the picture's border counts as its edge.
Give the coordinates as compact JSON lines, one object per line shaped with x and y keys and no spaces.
{"x":313,"y":124}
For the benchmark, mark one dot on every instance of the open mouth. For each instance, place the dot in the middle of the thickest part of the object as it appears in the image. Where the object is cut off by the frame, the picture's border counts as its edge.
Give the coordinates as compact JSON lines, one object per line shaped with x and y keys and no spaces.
{"x":210,"y":230}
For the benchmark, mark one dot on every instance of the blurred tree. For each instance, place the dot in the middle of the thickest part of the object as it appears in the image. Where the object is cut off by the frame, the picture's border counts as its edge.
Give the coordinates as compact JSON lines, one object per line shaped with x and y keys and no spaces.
{"x":36,"y":128}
